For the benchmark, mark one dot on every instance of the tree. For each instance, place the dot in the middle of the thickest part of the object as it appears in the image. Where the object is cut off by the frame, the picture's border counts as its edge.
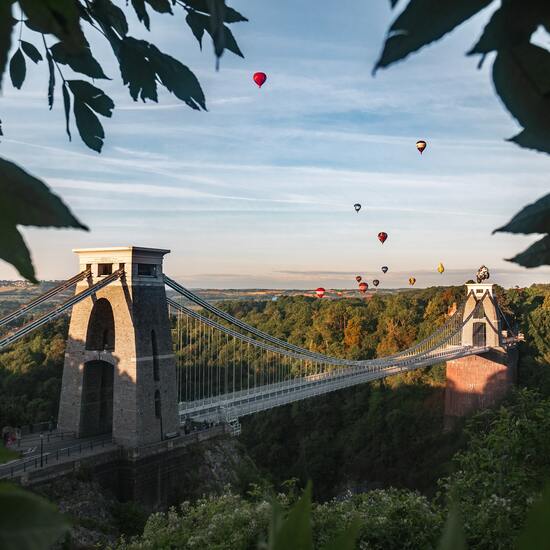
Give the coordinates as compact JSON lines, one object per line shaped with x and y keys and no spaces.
{"x":520,"y":75}
{"x":59,"y":27}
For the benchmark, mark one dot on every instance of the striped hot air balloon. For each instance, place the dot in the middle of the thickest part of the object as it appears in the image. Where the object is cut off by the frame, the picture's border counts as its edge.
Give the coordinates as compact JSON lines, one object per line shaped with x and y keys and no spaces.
{"x":421,"y":145}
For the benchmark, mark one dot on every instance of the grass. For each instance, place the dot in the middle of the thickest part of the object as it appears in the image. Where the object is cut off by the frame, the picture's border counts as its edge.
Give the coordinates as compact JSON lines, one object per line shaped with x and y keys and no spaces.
{"x":6,"y":454}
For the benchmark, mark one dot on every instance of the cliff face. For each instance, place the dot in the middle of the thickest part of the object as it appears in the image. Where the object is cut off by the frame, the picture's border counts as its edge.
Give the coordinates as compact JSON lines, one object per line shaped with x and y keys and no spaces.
{"x":98,"y":518}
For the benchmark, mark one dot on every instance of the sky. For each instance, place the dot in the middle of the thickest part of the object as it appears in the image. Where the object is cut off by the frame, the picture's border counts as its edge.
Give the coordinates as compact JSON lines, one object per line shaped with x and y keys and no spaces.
{"x":259,"y":190}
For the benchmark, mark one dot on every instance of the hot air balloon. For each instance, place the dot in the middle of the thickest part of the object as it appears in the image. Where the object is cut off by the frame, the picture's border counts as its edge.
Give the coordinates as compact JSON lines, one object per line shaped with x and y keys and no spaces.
{"x":421,"y":145}
{"x":357,"y":207}
{"x":259,"y":79}
{"x":412,"y":280}
{"x":384,"y":269}
{"x":376,"y":282}
{"x":320,"y":292}
{"x":363,"y":287}
{"x":358,"y":278}
{"x":441,"y":268}
{"x":382,"y":236}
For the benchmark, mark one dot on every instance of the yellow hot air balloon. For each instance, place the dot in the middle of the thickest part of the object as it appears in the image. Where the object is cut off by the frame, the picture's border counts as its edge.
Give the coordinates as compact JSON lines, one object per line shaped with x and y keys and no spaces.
{"x":412,"y":280}
{"x":440,"y":268}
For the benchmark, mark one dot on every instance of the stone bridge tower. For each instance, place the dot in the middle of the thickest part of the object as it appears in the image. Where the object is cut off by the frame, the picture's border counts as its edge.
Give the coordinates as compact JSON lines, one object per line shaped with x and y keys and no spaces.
{"x":479,"y":381}
{"x":119,"y":375}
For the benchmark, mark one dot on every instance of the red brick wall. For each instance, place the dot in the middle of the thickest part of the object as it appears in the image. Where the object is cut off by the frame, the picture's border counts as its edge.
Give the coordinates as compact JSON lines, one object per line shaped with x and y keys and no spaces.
{"x":478,"y":381}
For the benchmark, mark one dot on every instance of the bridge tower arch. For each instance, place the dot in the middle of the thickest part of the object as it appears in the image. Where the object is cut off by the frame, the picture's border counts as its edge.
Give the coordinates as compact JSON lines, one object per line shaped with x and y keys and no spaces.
{"x":119,"y":373}
{"x":479,"y":381}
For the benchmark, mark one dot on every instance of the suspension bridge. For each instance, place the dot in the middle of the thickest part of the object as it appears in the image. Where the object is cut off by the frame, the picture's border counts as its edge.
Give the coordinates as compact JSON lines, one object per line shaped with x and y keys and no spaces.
{"x":142,"y":366}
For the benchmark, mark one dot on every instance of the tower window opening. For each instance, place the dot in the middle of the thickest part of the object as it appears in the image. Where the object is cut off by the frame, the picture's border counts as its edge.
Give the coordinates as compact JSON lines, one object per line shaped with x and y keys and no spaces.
{"x":147,"y":270}
{"x":104,"y":269}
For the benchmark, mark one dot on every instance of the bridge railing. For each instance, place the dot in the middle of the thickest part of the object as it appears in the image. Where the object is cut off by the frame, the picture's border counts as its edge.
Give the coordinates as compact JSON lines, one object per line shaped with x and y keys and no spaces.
{"x":22,"y":465}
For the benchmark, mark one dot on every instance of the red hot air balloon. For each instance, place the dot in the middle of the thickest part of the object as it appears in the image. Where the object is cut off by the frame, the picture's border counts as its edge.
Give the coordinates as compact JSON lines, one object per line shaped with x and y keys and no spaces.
{"x":382,"y":236}
{"x":384,"y":269}
{"x":363,"y":287}
{"x":376,"y":282}
{"x":421,"y":145}
{"x":259,"y":79}
{"x":358,"y":278}
{"x":320,"y":292}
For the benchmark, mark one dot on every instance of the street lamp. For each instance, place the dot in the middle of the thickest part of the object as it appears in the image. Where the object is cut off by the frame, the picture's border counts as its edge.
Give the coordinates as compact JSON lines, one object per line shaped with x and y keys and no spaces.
{"x":41,"y":450}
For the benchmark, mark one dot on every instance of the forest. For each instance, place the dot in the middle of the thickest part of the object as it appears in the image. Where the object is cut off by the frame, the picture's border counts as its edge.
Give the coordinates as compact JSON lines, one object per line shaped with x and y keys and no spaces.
{"x":377,"y":452}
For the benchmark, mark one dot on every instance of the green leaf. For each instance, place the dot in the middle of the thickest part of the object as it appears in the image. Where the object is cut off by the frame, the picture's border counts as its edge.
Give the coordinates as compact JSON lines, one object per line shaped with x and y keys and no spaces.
{"x":18,"y":69}
{"x":534,"y":218}
{"x":58,"y":17}
{"x":536,"y":255}
{"x":536,"y":533}
{"x":522,"y":80}
{"x":51,"y":81}
{"x":67,"y":108}
{"x":94,"y":97}
{"x":6,"y":26}
{"x":294,"y":531}
{"x":346,"y":539}
{"x":27,"y":521}
{"x":509,"y":26}
{"x":423,"y":22}
{"x":26,"y":201}
{"x":30,"y":51}
{"x":81,"y":62}
{"x":453,"y":537}
{"x":141,"y":12}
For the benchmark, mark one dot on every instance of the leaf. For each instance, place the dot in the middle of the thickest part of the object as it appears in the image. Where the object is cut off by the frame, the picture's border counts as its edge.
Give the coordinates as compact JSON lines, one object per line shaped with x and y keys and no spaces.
{"x":51,"y":82}
{"x":198,"y":24}
{"x":141,"y":12}
{"x":160,"y":6}
{"x":178,"y":79}
{"x":97,"y":99}
{"x":346,"y":539}
{"x":109,"y":16}
{"x":532,"y":139}
{"x":522,"y":80}
{"x":81,"y":62}
{"x":30,"y":51}
{"x":423,"y":22}
{"x":534,"y":218}
{"x":231,"y":43}
{"x":26,"y":201}
{"x":536,"y":532}
{"x":90,"y":129}
{"x":18,"y":69}
{"x":135,"y":69}
{"x":509,"y":26}
{"x":536,"y":255}
{"x":67,"y":107}
{"x":27,"y":521}
{"x":453,"y":537}
{"x":231,"y":15}
{"x":294,"y":531}
{"x":393,"y":3}
{"x":6,"y":26}
{"x":58,"y":17}
{"x":216,"y":9}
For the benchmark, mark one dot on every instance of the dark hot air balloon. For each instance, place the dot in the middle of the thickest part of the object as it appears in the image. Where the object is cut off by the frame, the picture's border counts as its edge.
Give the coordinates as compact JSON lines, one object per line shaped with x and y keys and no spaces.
{"x":357,"y":207}
{"x":384,"y":269}
{"x":363,"y":287}
{"x":358,"y":278}
{"x":320,"y":292}
{"x":376,"y":282}
{"x":382,"y":236}
{"x":421,"y":145}
{"x":259,"y":79}
{"x":412,"y":280}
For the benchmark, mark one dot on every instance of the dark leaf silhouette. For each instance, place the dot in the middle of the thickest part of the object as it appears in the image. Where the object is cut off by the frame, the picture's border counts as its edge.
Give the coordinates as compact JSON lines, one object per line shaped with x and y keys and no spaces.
{"x":6,"y":26}
{"x":81,"y":62}
{"x":67,"y":108}
{"x":51,"y":81}
{"x":423,"y":22}
{"x":537,"y":254}
{"x":18,"y":69}
{"x":534,"y":218}
{"x":110,"y":17}
{"x":30,"y":51}
{"x":27,"y":201}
